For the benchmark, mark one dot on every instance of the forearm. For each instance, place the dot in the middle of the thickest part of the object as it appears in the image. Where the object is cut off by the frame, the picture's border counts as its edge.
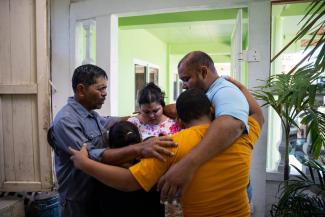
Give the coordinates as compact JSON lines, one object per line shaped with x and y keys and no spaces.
{"x":221,"y":134}
{"x":113,"y":176}
{"x":170,"y":110}
{"x":118,"y":156}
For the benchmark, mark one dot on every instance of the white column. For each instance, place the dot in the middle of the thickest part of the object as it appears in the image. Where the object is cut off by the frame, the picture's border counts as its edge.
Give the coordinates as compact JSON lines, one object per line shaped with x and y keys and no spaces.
{"x":107,"y":58}
{"x":259,"y":39}
{"x":60,"y":44}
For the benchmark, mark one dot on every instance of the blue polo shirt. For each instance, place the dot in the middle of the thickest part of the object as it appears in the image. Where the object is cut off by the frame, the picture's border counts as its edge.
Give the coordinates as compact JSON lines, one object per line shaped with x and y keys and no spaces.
{"x":74,"y":126}
{"x":227,"y":99}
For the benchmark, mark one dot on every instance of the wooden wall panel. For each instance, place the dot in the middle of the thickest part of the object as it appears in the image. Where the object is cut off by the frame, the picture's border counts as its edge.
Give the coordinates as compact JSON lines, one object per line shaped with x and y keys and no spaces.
{"x":5,"y":75}
{"x":22,"y":35}
{"x":23,"y":127}
{"x":25,"y":156}
{"x":2,"y":162}
{"x":7,"y":124}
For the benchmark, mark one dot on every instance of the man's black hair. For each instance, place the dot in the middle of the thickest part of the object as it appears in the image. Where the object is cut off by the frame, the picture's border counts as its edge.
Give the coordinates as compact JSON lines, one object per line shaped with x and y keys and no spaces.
{"x":192,"y":104}
{"x":86,"y":75}
{"x":151,"y":93}
{"x":123,"y":133}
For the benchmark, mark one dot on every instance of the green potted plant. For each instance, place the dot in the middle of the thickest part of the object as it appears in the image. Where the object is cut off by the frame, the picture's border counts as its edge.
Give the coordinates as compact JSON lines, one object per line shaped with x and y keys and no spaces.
{"x":303,"y":195}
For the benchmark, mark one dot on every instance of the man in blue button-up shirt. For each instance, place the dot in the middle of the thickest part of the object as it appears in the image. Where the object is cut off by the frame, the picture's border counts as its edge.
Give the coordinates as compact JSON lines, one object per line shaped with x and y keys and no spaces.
{"x":77,"y":123}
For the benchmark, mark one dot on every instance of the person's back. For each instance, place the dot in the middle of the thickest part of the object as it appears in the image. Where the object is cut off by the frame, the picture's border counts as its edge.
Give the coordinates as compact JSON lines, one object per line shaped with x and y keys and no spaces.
{"x":115,"y":203}
{"x":218,"y":188}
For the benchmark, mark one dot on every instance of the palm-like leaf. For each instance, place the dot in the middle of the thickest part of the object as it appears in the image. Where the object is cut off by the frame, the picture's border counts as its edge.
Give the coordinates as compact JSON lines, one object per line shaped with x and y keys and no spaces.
{"x":303,"y":195}
{"x":313,"y":22}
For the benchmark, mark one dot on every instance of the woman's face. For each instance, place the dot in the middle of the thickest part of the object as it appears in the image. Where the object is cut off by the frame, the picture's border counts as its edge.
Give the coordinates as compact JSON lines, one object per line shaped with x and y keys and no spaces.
{"x":151,"y":112}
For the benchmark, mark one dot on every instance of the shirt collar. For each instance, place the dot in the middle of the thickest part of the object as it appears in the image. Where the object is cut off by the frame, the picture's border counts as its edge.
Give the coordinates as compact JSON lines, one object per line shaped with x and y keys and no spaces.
{"x":215,"y":83}
{"x":82,"y":111}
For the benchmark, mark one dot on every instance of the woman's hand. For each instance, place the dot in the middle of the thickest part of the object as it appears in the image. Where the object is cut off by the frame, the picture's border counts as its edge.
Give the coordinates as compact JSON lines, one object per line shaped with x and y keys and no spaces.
{"x":79,"y":158}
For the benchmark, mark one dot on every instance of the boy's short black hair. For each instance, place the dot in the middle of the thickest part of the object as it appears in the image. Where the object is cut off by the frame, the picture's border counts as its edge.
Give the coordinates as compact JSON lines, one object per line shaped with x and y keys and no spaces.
{"x":192,"y":104}
{"x":123,"y":133}
{"x":86,"y":75}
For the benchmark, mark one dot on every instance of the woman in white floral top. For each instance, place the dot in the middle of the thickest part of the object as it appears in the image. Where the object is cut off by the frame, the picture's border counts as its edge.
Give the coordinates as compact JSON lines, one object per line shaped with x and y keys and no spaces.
{"x":151,"y":121}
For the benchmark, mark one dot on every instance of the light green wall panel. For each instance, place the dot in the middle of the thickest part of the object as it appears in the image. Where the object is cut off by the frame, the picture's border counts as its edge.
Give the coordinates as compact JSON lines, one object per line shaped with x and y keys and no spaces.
{"x":141,"y":45}
{"x":211,"y":48}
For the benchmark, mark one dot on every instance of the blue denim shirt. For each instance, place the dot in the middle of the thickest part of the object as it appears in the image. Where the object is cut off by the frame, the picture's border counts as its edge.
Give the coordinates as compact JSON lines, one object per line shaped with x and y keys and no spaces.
{"x":73,"y":126}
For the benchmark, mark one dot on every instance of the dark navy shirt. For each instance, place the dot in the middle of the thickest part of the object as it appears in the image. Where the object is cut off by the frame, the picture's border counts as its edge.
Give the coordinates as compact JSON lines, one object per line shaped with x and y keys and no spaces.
{"x":73,"y":126}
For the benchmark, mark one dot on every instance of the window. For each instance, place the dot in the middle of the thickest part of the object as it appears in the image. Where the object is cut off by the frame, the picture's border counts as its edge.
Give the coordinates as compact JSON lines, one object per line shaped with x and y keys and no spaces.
{"x":144,"y":73}
{"x":140,"y":81}
{"x":153,"y":75}
{"x":177,"y":86}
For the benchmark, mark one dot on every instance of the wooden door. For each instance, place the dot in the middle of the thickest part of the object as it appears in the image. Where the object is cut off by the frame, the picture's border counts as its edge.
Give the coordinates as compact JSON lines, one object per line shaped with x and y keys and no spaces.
{"x":25,"y":157}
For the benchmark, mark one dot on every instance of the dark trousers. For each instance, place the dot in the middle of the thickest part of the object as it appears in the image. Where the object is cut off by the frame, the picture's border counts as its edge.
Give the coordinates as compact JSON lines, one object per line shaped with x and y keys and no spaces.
{"x":115,"y":203}
{"x":70,"y":208}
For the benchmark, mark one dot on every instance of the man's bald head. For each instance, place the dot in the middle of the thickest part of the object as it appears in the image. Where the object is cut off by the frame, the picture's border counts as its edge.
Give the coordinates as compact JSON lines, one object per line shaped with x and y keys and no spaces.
{"x":195,"y":60}
{"x":196,"y":70}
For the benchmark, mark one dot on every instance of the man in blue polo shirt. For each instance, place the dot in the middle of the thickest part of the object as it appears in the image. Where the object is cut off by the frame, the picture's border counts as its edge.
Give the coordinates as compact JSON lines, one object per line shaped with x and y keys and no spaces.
{"x":196,"y":70}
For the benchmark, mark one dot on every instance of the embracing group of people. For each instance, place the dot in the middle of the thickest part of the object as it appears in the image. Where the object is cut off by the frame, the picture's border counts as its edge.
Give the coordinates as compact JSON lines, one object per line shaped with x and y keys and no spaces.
{"x":197,"y":152}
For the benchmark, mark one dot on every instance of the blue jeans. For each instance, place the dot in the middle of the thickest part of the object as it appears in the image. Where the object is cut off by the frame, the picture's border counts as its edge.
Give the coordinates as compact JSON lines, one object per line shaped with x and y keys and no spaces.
{"x":249,"y":191}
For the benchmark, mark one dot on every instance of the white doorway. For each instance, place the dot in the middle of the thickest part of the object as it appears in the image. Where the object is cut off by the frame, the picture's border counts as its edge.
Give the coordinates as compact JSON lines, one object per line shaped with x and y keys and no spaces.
{"x":106,"y":13}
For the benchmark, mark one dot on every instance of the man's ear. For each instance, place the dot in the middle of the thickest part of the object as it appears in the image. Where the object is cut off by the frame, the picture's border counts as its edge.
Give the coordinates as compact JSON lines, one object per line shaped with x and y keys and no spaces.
{"x":80,"y":90}
{"x":180,"y":123}
{"x":204,"y":71}
{"x":212,"y":111}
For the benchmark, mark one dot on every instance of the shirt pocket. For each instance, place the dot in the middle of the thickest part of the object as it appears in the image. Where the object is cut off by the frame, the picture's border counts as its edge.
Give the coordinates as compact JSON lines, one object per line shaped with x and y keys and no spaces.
{"x":93,"y":135}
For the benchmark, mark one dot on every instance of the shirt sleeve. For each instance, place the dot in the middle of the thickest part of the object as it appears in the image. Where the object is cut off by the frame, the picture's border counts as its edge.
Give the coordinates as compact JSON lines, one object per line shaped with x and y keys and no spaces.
{"x":148,"y":171}
{"x":254,"y":130}
{"x":109,"y":121}
{"x":68,"y":133}
{"x":134,"y":120}
{"x":230,"y":101}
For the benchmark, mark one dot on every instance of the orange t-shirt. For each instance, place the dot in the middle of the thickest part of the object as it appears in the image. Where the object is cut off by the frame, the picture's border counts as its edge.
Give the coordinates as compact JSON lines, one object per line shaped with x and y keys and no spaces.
{"x":218,"y":188}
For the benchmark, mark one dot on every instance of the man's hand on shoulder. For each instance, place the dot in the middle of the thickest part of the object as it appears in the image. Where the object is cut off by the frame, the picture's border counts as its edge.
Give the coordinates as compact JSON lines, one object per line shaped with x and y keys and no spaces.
{"x":156,"y":147}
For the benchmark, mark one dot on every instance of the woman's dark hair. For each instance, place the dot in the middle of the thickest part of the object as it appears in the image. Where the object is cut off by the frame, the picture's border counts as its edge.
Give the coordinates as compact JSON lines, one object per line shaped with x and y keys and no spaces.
{"x":151,"y":93}
{"x":86,"y":75}
{"x":192,"y":104}
{"x":123,"y":133}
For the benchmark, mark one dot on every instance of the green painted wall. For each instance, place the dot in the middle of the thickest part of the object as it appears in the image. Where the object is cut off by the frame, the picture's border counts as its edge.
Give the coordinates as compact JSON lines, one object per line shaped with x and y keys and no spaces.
{"x":186,"y":16}
{"x":141,"y":45}
{"x":211,"y":48}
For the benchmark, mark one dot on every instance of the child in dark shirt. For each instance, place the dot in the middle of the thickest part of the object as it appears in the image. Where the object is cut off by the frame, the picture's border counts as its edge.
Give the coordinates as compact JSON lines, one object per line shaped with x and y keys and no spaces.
{"x":115,"y":203}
